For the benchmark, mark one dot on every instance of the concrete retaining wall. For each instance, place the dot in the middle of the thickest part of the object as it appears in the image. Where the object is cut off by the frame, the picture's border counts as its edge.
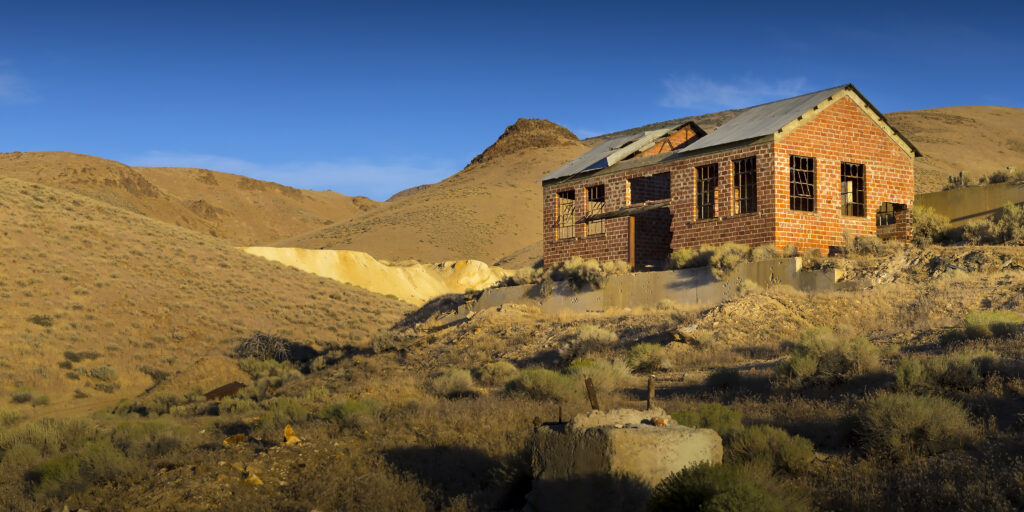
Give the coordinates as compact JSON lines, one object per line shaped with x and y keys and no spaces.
{"x":963,"y":204}
{"x":688,"y":287}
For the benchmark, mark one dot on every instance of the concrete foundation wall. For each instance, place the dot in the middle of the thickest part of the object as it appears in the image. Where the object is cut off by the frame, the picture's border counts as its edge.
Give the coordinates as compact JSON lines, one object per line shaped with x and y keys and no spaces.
{"x":687,"y":287}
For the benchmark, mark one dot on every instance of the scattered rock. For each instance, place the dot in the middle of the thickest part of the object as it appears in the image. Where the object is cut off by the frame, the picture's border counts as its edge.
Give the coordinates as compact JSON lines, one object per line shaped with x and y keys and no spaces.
{"x":234,"y":440}
{"x":290,"y":438}
{"x":253,"y":480}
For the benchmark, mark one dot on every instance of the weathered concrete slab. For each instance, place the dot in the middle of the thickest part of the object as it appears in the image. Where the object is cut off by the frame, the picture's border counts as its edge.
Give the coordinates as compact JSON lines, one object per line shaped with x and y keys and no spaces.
{"x":963,"y":204}
{"x":610,"y":461}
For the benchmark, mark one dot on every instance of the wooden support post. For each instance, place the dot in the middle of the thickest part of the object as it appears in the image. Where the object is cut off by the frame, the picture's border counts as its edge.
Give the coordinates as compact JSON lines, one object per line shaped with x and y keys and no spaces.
{"x":650,"y":391}
{"x":560,"y":413}
{"x":591,"y":394}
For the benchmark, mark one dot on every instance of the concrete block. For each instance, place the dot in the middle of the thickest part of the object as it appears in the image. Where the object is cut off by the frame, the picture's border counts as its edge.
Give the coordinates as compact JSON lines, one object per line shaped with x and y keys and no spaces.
{"x":611,"y":461}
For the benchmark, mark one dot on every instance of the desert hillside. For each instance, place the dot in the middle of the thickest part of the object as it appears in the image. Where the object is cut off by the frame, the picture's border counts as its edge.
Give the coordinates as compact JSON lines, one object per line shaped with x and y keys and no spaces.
{"x":242,"y":210}
{"x":489,"y":209}
{"x":96,"y":300}
{"x":973,"y":139}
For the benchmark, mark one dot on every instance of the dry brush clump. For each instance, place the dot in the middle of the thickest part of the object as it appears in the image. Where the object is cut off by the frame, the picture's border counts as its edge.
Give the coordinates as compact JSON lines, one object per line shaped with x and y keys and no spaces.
{"x":900,"y":426}
{"x":822,"y":357}
{"x":576,"y":271}
{"x":727,"y":487}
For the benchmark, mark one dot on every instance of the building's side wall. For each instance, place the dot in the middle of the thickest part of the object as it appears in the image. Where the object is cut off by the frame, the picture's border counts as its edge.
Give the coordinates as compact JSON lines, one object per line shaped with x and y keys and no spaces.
{"x":748,"y":228}
{"x":841,"y":132}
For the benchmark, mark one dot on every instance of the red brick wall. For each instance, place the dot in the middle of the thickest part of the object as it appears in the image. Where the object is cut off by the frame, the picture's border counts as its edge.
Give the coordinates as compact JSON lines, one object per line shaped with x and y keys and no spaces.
{"x":671,"y":142}
{"x":841,"y":132}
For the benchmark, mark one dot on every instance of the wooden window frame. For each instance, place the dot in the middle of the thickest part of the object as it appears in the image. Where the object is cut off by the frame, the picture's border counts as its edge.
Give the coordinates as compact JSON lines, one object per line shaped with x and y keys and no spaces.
{"x":852,"y":197}
{"x":707,"y":185}
{"x":594,"y":205}
{"x":565,"y":215}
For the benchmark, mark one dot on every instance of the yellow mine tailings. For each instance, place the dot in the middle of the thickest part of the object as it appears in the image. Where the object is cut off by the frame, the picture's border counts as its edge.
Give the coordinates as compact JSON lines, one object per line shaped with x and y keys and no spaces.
{"x":415,"y":283}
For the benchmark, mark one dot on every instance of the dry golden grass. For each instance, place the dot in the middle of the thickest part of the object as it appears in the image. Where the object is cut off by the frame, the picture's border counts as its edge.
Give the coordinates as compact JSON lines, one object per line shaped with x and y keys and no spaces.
{"x":129,"y":292}
{"x":242,"y":210}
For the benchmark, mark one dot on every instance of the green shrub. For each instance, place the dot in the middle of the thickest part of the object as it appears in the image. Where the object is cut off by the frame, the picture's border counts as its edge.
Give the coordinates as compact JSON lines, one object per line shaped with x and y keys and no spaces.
{"x":58,"y":477}
{"x":148,"y":440}
{"x":76,"y":357}
{"x":715,"y":416}
{"x":21,"y":395}
{"x":726,"y":488}
{"x":975,"y":232}
{"x":726,"y":257}
{"x":986,"y":324}
{"x":929,"y":226}
{"x":822,"y":357}
{"x":40,"y":400}
{"x":541,"y":384}
{"x":772,"y":446}
{"x":101,"y":461}
{"x":236,"y":405}
{"x":1009,"y":225}
{"x":648,"y":357}
{"x":353,"y":413}
{"x":497,"y":373}
{"x":452,"y":383}
{"x":901,"y":425}
{"x":607,"y":376}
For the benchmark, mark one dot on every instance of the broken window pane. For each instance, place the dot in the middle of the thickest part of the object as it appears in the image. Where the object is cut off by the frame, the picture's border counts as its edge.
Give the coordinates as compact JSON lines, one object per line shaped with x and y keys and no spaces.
{"x":745,"y":185}
{"x":595,"y":206}
{"x":566,"y":208}
{"x":852,"y":189}
{"x":801,"y":183}
{"x":707,"y":182}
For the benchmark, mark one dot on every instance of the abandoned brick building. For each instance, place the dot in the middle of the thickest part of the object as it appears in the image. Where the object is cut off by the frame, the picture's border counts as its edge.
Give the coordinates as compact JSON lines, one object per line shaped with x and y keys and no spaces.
{"x":800,"y":171}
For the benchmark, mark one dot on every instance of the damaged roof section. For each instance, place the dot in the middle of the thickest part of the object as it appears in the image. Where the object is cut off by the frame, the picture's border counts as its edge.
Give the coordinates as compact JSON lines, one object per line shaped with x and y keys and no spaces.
{"x":613,"y":151}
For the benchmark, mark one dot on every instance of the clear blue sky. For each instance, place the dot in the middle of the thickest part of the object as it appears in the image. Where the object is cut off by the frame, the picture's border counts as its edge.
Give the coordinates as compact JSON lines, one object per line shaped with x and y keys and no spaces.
{"x":373,"y":97}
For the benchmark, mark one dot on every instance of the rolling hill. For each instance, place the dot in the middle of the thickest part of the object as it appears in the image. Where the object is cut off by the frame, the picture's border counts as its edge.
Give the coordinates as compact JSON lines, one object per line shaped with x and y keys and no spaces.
{"x":242,"y":210}
{"x":95,"y":300}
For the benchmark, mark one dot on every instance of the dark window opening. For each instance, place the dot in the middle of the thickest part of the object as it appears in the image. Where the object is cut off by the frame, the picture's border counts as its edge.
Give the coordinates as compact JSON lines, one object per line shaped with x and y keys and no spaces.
{"x":745,"y":185}
{"x":852,"y":189}
{"x":595,"y":206}
{"x":566,"y":208}
{"x":707,"y":182}
{"x":801,"y":183}
{"x":650,"y":188}
{"x":886,"y":215}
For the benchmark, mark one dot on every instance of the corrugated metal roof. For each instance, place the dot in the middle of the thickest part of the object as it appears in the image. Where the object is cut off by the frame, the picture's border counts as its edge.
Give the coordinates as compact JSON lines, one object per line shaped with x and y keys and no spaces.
{"x":761,"y":120}
{"x":610,"y":152}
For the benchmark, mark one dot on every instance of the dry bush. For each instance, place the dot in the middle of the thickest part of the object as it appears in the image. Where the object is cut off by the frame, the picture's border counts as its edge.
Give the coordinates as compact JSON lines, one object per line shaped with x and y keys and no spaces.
{"x":790,"y":251}
{"x":279,"y":412}
{"x":541,"y":384}
{"x":576,"y":271}
{"x":773,"y":447}
{"x":975,"y":232}
{"x":823,"y":358}
{"x":1009,"y":224}
{"x":453,"y":383}
{"x":928,"y":225}
{"x":8,"y":417}
{"x":765,"y":252}
{"x":987,"y":324}
{"x":648,"y":358}
{"x":726,"y":257}
{"x":727,"y":487}
{"x":715,"y":416}
{"x":589,"y":339}
{"x":264,"y":346}
{"x":352,"y":413}
{"x":21,"y":396}
{"x":607,"y":376}
{"x":497,"y":373}
{"x":690,"y":258}
{"x":900,"y":426}
{"x":868,"y":245}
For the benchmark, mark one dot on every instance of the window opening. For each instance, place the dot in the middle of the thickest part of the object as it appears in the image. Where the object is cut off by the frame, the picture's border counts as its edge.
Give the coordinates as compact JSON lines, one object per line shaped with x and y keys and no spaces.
{"x":595,"y":206}
{"x":886,"y":215}
{"x":566,"y":208}
{"x":745,"y":185}
{"x":707,"y":181}
{"x":852,"y":189}
{"x":801,"y":183}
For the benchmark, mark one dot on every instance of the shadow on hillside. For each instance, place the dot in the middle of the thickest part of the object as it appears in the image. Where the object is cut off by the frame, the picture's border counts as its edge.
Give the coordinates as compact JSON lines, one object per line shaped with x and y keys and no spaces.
{"x":453,"y":471}
{"x":436,"y":307}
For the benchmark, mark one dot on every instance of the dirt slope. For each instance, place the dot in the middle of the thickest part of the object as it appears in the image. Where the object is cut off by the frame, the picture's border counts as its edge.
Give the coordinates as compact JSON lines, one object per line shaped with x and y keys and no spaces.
{"x":413,"y":283}
{"x":79,"y":275}
{"x":489,"y":209}
{"x":251,"y":211}
{"x":239,"y":209}
{"x":976,"y":140}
